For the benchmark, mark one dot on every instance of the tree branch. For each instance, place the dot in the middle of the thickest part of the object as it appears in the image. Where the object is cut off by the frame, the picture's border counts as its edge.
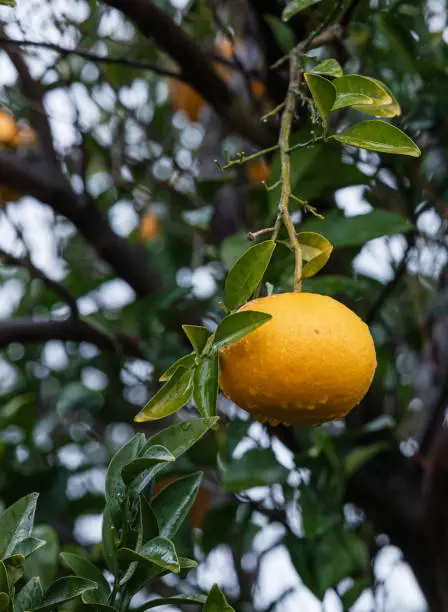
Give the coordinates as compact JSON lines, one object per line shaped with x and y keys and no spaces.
{"x":91,"y":57}
{"x":196,"y":70}
{"x":30,"y":331}
{"x":42,"y":180}
{"x":34,"y":93}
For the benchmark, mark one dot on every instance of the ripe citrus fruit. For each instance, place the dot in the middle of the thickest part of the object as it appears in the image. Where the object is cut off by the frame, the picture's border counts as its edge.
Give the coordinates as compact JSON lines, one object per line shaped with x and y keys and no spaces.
{"x":8,"y":128}
{"x":312,"y":362}
{"x":257,"y":171}
{"x":149,"y":227}
{"x":25,"y":138}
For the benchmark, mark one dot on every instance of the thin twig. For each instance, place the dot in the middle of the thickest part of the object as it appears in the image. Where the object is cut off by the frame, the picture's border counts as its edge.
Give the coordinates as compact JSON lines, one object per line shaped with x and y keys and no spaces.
{"x":285,"y":131}
{"x":91,"y":57}
{"x":57,"y":288}
{"x":266,"y":230}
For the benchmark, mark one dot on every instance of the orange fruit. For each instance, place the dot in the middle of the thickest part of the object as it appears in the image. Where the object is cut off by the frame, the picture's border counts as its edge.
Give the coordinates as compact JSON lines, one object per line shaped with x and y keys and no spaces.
{"x":258,"y":89}
{"x":8,"y":195}
{"x":8,"y":128}
{"x":25,"y":138}
{"x":257,"y":171}
{"x":149,"y":227}
{"x":312,"y":362}
{"x":184,"y":98}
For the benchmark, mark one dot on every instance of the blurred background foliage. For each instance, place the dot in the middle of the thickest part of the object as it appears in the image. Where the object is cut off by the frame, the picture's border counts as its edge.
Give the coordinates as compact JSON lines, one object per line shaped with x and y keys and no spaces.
{"x":120,"y":228}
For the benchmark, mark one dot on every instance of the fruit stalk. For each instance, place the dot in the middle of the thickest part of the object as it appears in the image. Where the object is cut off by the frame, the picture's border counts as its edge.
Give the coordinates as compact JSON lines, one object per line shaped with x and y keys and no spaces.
{"x":285,"y":131}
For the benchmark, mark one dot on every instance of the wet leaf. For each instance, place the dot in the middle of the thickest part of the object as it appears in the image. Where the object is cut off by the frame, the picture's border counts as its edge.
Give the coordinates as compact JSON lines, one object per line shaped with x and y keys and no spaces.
{"x":323,"y":92}
{"x":174,"y":394}
{"x":206,"y":385}
{"x":198,"y":335}
{"x":184,"y":362}
{"x":237,"y":325}
{"x":378,"y":136}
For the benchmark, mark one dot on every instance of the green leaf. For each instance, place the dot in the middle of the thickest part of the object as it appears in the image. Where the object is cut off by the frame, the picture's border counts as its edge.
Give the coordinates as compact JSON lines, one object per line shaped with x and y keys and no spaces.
{"x":232,"y":248}
{"x":295,"y":6}
{"x":159,"y":550}
{"x":28,"y":546}
{"x":44,"y":561}
{"x":156,"y":454}
{"x":172,"y":505}
{"x":4,"y":583}
{"x":247,"y":273}
{"x":64,"y":590}
{"x":15,"y":568}
{"x":329,"y":67}
{"x":174,"y":394}
{"x":283,"y":34}
{"x":84,"y":568}
{"x":16,"y":523}
{"x":30,"y":596}
{"x":115,"y":487}
{"x":205,"y":381}
{"x":109,"y":540}
{"x":4,"y":601}
{"x":358,"y":456}
{"x":175,"y":600}
{"x":148,"y":521}
{"x":378,"y":136}
{"x":216,"y":601}
{"x":197,"y":335}
{"x":256,"y":468}
{"x":316,"y":251}
{"x":177,"y":439}
{"x":237,"y":325}
{"x":323,"y":92}
{"x":184,"y":362}
{"x":387,"y":110}
{"x":359,"y":229}
{"x":371,"y":91}
{"x":350,"y":597}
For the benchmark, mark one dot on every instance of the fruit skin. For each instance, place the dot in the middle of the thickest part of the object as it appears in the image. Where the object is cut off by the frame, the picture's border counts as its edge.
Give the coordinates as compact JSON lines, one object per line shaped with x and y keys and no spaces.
{"x":149,"y":227}
{"x":184,"y":98}
{"x":8,"y":128}
{"x":25,"y":138}
{"x":257,"y":171}
{"x":312,"y":362}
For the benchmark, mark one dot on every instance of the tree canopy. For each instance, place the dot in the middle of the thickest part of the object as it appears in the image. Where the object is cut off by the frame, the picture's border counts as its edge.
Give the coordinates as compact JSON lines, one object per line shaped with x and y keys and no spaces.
{"x":145,"y":146}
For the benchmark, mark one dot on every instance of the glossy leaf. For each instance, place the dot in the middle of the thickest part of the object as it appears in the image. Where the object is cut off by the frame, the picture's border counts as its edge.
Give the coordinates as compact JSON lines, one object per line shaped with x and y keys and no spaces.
{"x":159,"y":550}
{"x":295,"y":6}
{"x":28,"y":545}
{"x":316,"y":251}
{"x":205,"y":393}
{"x":108,"y":540}
{"x":237,"y":325}
{"x":84,"y":568}
{"x":156,"y":454}
{"x":15,"y":568}
{"x":172,"y":505}
{"x":184,"y":362}
{"x":64,"y":590}
{"x":197,"y":335}
{"x":216,"y":601}
{"x":372,"y":91}
{"x":387,"y":110}
{"x":378,"y":136}
{"x":16,"y":523}
{"x":256,"y":468}
{"x":323,"y":92}
{"x":148,"y":521}
{"x":359,"y":229}
{"x":177,"y":439}
{"x":115,"y":487}
{"x":174,"y":394}
{"x":329,"y":67}
{"x":175,"y":600}
{"x":247,"y":273}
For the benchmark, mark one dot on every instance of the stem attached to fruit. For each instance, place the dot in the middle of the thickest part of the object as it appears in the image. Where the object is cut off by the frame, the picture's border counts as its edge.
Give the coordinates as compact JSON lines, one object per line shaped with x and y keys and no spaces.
{"x":285,"y":131}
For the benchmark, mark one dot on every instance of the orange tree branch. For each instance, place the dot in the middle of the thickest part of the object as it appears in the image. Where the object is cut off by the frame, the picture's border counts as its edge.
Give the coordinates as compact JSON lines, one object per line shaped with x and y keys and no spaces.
{"x":33,"y":91}
{"x":195,"y":68}
{"x":38,"y":178}
{"x":31,"y":331}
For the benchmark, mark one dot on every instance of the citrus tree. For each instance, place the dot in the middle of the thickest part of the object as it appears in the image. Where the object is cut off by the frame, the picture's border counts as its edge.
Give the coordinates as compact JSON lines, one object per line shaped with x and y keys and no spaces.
{"x":224,"y":297}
